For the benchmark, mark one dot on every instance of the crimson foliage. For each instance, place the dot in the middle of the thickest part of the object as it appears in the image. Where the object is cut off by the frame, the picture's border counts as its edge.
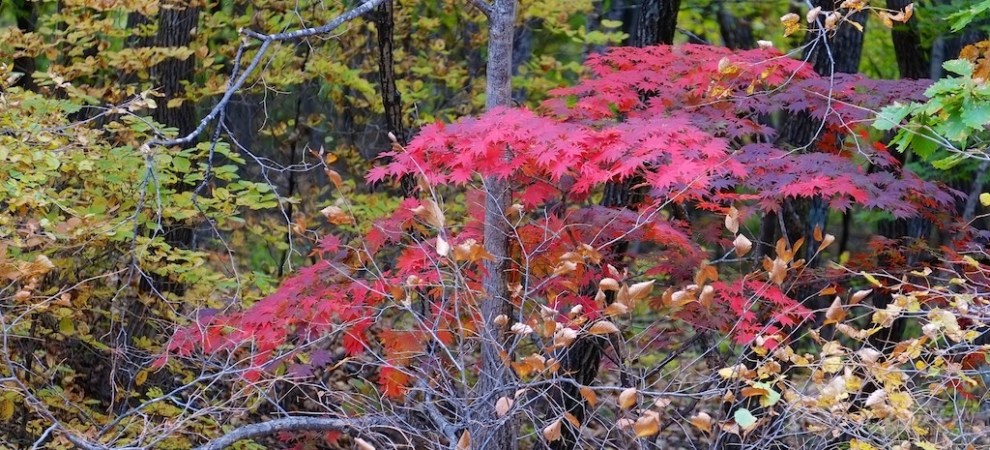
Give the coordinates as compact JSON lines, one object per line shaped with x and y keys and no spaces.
{"x":690,"y":126}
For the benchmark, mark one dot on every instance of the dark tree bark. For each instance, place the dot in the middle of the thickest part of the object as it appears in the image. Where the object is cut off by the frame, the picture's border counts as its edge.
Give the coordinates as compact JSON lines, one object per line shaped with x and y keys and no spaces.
{"x":912,"y":59}
{"x":737,"y":34}
{"x":391,"y":99}
{"x":828,"y":53}
{"x":656,"y":23}
{"x":26,"y":13}
{"x":176,"y":25}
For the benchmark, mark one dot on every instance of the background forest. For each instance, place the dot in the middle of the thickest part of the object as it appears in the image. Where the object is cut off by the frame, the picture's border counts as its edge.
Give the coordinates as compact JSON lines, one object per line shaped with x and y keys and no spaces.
{"x":494,"y":224}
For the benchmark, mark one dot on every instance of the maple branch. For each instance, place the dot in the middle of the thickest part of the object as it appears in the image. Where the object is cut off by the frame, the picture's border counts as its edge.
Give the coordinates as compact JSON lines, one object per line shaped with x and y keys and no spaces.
{"x":306,"y":423}
{"x":236,"y":82}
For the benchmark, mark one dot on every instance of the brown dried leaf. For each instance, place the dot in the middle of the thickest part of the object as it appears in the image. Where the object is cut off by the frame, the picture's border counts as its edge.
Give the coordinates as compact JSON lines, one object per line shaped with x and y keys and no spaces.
{"x":603,"y":327}
{"x":742,"y":245}
{"x":552,"y":432}
{"x":588,"y":395}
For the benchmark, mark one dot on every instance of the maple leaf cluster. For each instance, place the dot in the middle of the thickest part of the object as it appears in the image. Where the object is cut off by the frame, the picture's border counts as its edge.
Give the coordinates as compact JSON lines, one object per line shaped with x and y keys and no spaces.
{"x":689,"y":126}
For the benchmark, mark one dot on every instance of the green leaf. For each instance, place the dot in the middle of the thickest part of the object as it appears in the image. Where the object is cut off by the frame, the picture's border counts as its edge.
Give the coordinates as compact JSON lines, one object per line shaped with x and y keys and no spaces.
{"x":744,"y":419}
{"x":891,"y":116}
{"x":772,"y":396}
{"x":948,"y":162}
{"x":976,"y":116}
{"x":959,"y":67}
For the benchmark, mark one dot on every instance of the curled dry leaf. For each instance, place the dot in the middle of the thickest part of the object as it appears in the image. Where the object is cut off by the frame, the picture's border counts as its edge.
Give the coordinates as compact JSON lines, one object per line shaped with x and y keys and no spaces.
{"x":742,"y":245}
{"x":608,"y":284}
{"x":503,"y":405}
{"x":603,"y":327}
{"x":552,"y":432}
{"x":813,"y":14}
{"x":835,"y":313}
{"x":832,"y":21}
{"x":501,"y":320}
{"x":362,"y":444}
{"x":588,"y":395}
{"x":791,"y":23}
{"x":464,"y":443}
{"x":564,"y":337}
{"x":826,"y":241}
{"x":702,"y":421}
{"x":521,"y":328}
{"x":778,"y":271}
{"x":876,"y":398}
{"x":430,"y":212}
{"x":443,"y":247}
{"x":858,"y":296}
{"x":639,"y":291}
{"x":616,"y":309}
{"x":707,"y":295}
{"x":732,"y":218}
{"x":336,"y":215}
{"x":627,"y":398}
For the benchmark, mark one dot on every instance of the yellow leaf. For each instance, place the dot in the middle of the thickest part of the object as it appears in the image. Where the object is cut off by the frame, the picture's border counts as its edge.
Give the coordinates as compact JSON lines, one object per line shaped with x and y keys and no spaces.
{"x":856,"y":444}
{"x":647,"y":425}
{"x":627,"y":398}
{"x":791,"y":24}
{"x":141,"y":377}
{"x":985,"y":199}
{"x":873,"y":280}
{"x":6,"y":409}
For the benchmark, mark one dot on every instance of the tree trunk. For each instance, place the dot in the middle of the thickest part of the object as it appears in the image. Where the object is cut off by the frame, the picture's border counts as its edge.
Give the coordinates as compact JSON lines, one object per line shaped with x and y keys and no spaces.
{"x":656,"y":23}
{"x":391,"y":99}
{"x":487,"y":432}
{"x":27,"y":14}
{"x":737,"y":34}
{"x":911,"y":56}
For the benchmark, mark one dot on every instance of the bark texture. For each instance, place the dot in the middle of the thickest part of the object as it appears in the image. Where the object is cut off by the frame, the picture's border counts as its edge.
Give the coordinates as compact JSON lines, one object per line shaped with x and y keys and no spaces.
{"x":487,"y":431}
{"x":912,"y":59}
{"x":656,"y":23}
